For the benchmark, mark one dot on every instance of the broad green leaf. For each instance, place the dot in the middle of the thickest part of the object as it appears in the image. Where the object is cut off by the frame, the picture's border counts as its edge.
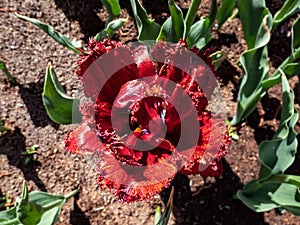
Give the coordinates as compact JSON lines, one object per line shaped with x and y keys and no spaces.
{"x":61,"y":108}
{"x":278,"y":154}
{"x":174,"y":27}
{"x":112,"y":6}
{"x":110,"y":29}
{"x":51,"y":203}
{"x":61,"y":39}
{"x":296,"y":35}
{"x":5,"y":71}
{"x":165,"y":216}
{"x":147,"y":29}
{"x":256,"y":22}
{"x":289,"y":8}
{"x":28,"y":213}
{"x":286,"y":197}
{"x":225,"y":11}
{"x":199,"y":34}
{"x":255,"y":196}
{"x":7,"y":215}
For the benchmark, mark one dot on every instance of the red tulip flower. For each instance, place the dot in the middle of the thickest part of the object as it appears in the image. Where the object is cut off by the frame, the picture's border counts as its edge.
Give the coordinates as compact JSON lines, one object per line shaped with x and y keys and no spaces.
{"x":149,"y":116}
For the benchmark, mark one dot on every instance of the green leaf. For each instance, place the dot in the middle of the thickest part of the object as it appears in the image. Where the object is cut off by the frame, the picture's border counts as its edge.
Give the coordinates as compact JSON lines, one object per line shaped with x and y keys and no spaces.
{"x":256,"y":197}
{"x":256,"y":21}
{"x":296,"y":35}
{"x":286,"y":197}
{"x":174,"y":27}
{"x":199,"y":34}
{"x":7,"y":215}
{"x":61,"y":108}
{"x":5,"y":71}
{"x":165,"y":216}
{"x":255,"y":65}
{"x":225,"y":11}
{"x":278,"y":154}
{"x":61,"y":39}
{"x":289,"y":70}
{"x":112,"y":6}
{"x":289,"y":8}
{"x":110,"y":29}
{"x":147,"y":29}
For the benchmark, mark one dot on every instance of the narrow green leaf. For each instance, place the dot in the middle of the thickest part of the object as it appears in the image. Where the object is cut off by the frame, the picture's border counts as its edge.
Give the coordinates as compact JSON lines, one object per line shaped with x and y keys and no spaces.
{"x":225,"y":11}
{"x":61,"y":39}
{"x":157,"y":215}
{"x":164,"y":219}
{"x":296,"y":34}
{"x":289,"y":8}
{"x":199,"y":34}
{"x":174,"y":27}
{"x":213,"y":13}
{"x":61,"y":108}
{"x":190,"y":16}
{"x":5,"y":71}
{"x":112,"y":6}
{"x":110,"y":29}
{"x":255,"y":65}
{"x":256,"y":19}
{"x":147,"y":29}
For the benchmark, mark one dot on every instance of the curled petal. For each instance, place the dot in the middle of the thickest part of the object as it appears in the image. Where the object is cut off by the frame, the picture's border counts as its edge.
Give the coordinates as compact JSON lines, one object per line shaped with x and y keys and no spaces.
{"x":134,"y":183}
{"x":83,"y":140}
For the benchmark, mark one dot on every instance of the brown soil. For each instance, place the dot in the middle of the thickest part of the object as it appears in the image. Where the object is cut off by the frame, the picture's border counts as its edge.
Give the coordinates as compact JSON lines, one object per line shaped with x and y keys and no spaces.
{"x":27,"y":51}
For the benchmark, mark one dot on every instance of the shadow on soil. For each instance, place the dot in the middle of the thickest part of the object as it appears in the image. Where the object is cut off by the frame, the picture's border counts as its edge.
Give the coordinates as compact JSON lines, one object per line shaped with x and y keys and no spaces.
{"x":213,"y":204}
{"x":12,"y":144}
{"x":31,"y":95}
{"x":85,"y":13}
{"x":77,"y":216}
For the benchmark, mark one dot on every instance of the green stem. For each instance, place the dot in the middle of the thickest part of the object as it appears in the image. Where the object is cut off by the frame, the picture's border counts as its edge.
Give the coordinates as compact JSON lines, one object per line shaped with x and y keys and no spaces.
{"x":190,"y":16}
{"x":58,"y":202}
{"x":234,"y":14}
{"x":71,"y":194}
{"x":10,"y":222}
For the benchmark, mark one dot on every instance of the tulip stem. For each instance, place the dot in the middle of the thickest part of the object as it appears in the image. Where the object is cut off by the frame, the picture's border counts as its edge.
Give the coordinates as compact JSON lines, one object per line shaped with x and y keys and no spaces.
{"x":190,"y":16}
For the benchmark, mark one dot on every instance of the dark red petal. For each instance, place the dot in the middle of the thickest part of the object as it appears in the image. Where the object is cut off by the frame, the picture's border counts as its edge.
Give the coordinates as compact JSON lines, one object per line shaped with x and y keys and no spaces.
{"x":212,"y":145}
